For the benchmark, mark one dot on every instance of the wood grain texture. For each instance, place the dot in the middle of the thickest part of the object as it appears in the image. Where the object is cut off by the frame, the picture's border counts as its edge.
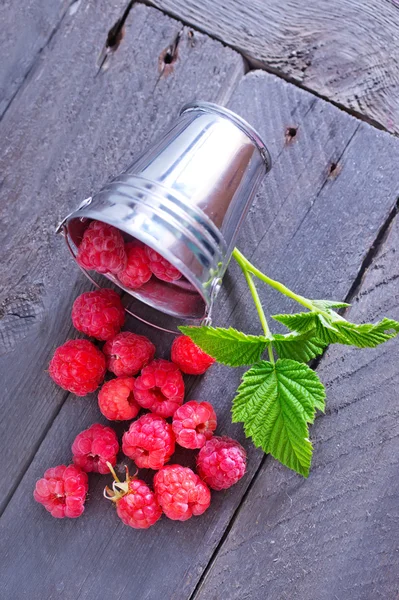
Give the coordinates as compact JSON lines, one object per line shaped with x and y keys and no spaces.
{"x":26,"y":28}
{"x":62,"y":139}
{"x":97,"y":557}
{"x":347,"y":51}
{"x":336,"y":534}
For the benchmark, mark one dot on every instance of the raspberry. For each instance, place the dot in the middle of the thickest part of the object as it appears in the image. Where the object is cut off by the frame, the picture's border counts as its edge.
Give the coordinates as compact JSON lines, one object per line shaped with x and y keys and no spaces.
{"x":78,"y":366}
{"x":181,"y":493}
{"x":189,"y":357}
{"x":161,"y":267}
{"x":136,"y":504}
{"x":160,"y":388}
{"x":99,"y":314}
{"x":194,"y":424}
{"x":221,"y":462}
{"x":102,"y":249}
{"x":137,"y":271}
{"x":127,"y":353}
{"x":62,"y":491}
{"x":116,"y":399}
{"x":94,"y":447}
{"x":149,"y":442}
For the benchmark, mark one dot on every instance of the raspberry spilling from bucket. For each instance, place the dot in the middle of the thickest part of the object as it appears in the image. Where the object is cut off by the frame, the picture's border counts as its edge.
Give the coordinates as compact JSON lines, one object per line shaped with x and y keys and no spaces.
{"x":161,"y":268}
{"x":78,"y":366}
{"x":189,"y":357}
{"x":194,"y":424}
{"x":94,"y":447}
{"x":102,"y":249}
{"x":181,"y":493}
{"x":221,"y":462}
{"x":116,"y":399}
{"x":160,"y":388}
{"x":127,"y":353}
{"x":62,"y":491}
{"x":99,"y":314}
{"x":137,"y":270}
{"x":150,"y":442}
{"x":136,"y":503}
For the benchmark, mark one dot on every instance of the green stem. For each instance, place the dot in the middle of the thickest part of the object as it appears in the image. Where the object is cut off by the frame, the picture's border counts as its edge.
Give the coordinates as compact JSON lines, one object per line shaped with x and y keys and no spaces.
{"x":259,"y":308}
{"x":247,"y":266}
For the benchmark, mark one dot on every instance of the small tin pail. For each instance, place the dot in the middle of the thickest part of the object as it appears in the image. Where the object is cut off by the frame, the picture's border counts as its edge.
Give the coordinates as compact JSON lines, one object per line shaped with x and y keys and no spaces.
{"x":186,"y":197}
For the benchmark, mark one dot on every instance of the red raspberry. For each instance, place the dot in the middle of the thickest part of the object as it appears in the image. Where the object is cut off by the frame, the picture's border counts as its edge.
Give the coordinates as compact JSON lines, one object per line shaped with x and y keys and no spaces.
{"x":221,"y":462}
{"x":94,"y":447}
{"x":62,"y":491}
{"x":149,"y":442}
{"x":78,"y":366}
{"x":189,"y":357}
{"x":102,"y":249}
{"x":181,"y":493}
{"x":136,"y":504}
{"x":194,"y":424}
{"x":137,"y":271}
{"x":116,"y":399}
{"x":161,"y":267}
{"x":99,"y":314}
{"x":160,"y":388}
{"x":127,"y":353}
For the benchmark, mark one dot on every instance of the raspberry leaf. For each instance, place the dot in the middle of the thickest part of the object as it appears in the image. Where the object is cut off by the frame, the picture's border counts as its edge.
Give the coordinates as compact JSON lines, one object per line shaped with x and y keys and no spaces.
{"x":331,"y":328}
{"x":227,"y":346}
{"x":301,"y":347}
{"x":276,"y":402}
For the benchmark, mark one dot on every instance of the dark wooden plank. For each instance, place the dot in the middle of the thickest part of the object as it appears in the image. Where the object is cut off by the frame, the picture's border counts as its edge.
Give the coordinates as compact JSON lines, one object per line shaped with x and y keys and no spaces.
{"x":63,"y":137}
{"x":26,"y":28}
{"x":96,"y":556}
{"x":335,"y":535}
{"x":344,"y":51}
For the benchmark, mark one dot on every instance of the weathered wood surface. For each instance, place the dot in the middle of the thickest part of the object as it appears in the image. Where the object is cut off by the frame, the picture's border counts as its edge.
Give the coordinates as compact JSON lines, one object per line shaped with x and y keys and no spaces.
{"x":71,"y":130}
{"x":347,"y":50}
{"x":334,"y":536}
{"x":26,"y":28}
{"x":302,"y":212}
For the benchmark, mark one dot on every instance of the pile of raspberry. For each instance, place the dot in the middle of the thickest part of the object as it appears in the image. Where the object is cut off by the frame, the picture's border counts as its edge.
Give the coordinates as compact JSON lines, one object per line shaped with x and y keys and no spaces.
{"x":149,"y":392}
{"x":103,"y":249}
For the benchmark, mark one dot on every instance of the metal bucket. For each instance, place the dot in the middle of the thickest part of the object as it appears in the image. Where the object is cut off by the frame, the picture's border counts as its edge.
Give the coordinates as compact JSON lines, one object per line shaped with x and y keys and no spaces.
{"x":186,"y":197}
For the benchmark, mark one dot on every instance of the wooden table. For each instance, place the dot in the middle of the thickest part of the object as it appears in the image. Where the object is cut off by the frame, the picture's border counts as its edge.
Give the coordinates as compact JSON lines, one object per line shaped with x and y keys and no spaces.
{"x":324,"y":222}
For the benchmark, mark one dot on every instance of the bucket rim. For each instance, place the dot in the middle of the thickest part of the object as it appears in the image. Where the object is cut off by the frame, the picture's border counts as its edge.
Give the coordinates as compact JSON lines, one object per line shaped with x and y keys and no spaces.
{"x":241,"y":123}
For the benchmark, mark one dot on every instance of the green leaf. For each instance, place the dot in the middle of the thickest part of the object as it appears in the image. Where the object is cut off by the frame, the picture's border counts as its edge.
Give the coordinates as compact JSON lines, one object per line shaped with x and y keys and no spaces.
{"x":327,"y":304}
{"x":227,"y":346}
{"x":333,"y":329}
{"x":276,"y":402}
{"x":298,"y":346}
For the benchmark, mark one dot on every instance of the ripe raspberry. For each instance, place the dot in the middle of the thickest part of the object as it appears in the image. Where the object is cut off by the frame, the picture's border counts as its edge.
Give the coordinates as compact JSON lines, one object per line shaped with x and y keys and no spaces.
{"x":137,"y":271}
{"x":181,"y":493}
{"x":116,"y":399}
{"x":94,"y":447}
{"x":161,"y":267}
{"x":194,"y":424}
{"x":102,"y":249}
{"x":136,"y":504}
{"x":99,"y":314}
{"x":149,"y":442}
{"x":189,"y":357}
{"x":62,"y":491}
{"x":78,"y":366}
{"x":221,"y":462}
{"x":160,"y":388}
{"x":127,"y":353}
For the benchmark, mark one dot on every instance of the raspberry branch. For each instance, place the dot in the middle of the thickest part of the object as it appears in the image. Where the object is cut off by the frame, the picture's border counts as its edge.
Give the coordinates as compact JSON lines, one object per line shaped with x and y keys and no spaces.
{"x":278,"y":399}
